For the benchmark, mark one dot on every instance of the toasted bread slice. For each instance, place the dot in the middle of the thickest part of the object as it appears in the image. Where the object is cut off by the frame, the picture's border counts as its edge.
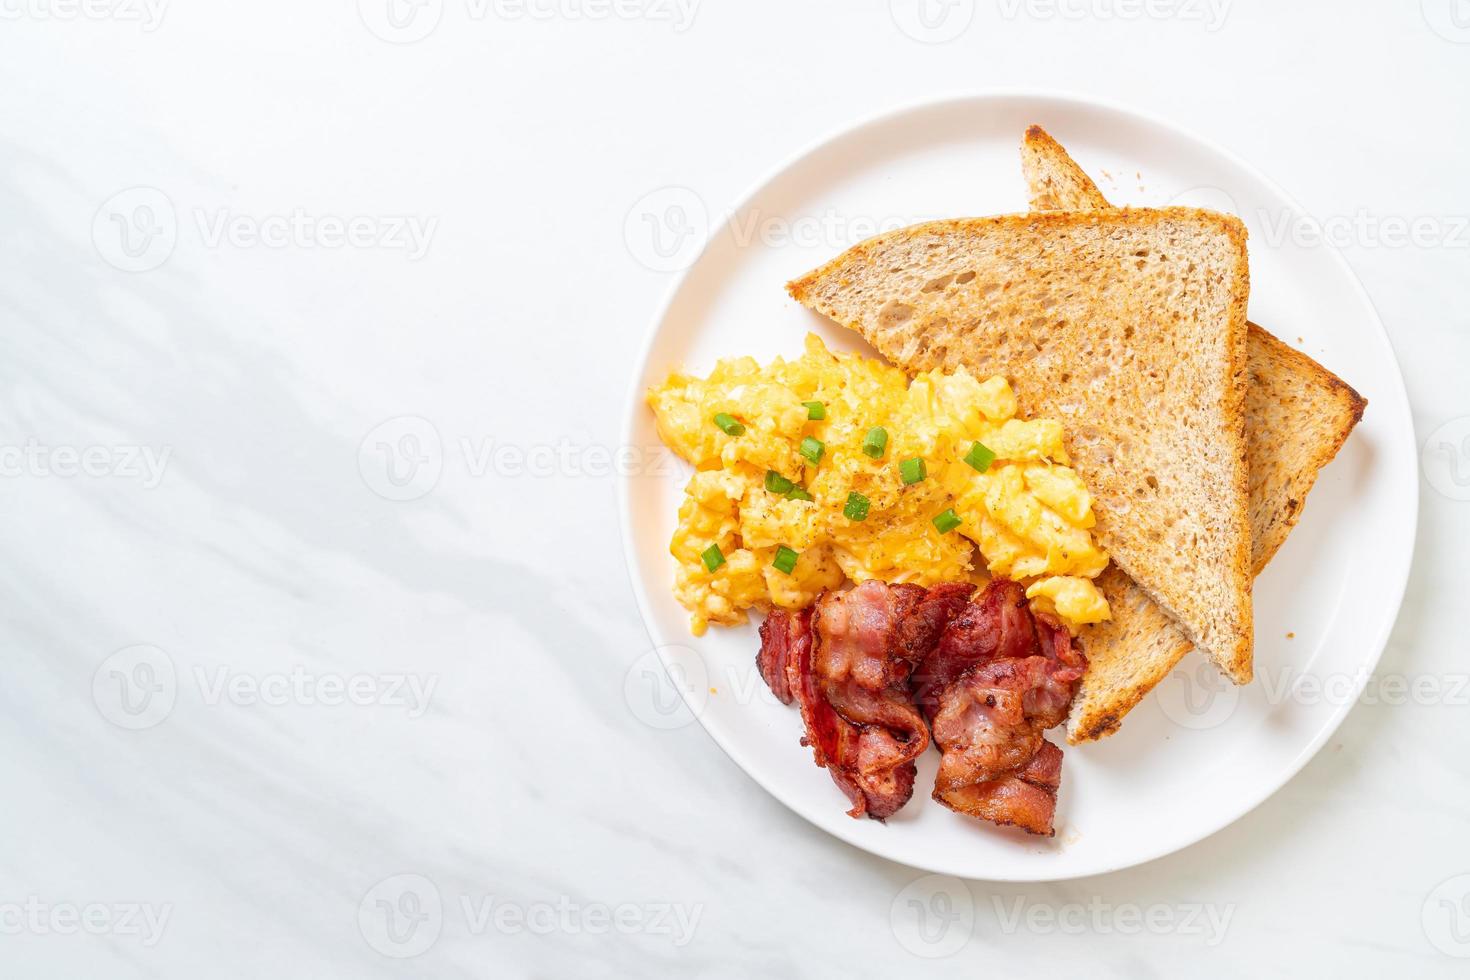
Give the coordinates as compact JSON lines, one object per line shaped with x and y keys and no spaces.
{"x":1298,"y":415}
{"x":1127,"y":325}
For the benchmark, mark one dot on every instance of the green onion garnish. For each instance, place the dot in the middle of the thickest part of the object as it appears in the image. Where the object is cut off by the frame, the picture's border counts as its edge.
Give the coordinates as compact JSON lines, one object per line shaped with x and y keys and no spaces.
{"x":815,"y":411}
{"x":712,"y":558}
{"x":798,"y":493}
{"x":729,"y":424}
{"x":912,"y":471}
{"x":812,"y":449}
{"x":947,"y":521}
{"x":980,"y":457}
{"x":875,"y":442}
{"x":776,"y":483}
{"x":785,"y":560}
{"x":857,"y":507}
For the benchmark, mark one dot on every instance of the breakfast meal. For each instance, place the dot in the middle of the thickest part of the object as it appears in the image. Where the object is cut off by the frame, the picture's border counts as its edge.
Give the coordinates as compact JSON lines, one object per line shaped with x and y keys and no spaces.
{"x":1074,"y":462}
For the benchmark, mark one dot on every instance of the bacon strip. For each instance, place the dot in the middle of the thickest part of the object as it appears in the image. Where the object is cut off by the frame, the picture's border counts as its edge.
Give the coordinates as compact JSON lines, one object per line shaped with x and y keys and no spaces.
{"x":846,"y":662}
{"x":996,"y":680}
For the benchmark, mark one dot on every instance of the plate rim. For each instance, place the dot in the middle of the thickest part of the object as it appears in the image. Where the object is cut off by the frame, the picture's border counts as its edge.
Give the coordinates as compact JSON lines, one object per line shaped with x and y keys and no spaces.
{"x":1399,"y":406}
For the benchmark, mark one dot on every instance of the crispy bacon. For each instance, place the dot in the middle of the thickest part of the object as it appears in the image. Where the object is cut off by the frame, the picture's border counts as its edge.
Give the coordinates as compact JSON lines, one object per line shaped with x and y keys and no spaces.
{"x":870,"y":666}
{"x":996,"y":680}
{"x":1026,"y":798}
{"x":847,"y":665}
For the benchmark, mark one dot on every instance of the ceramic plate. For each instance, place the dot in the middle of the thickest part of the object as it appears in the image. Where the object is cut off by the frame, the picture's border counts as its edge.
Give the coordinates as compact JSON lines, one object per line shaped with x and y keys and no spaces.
{"x":1197,"y":753}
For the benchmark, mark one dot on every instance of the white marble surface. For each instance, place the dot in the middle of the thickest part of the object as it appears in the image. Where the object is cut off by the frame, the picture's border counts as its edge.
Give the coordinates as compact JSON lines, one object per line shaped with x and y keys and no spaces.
{"x":349,"y":688}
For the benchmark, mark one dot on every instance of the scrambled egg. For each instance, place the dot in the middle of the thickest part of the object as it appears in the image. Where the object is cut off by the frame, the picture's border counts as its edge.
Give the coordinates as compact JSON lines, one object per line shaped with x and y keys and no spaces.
{"x":834,"y":466}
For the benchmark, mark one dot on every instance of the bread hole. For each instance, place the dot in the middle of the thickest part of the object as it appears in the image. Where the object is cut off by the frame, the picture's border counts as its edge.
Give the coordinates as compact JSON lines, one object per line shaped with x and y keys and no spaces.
{"x":1066,"y":376}
{"x":1128,"y":333}
{"x":935,"y":285}
{"x":894,"y":313}
{"x":1152,"y":481}
{"x":964,"y":277}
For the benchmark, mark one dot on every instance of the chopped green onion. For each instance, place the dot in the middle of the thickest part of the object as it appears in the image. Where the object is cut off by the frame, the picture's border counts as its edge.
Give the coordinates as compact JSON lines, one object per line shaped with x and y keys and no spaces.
{"x":798,"y":493}
{"x":785,"y":560}
{"x":980,"y":457}
{"x":947,"y":521}
{"x":857,"y":507}
{"x":729,"y":424}
{"x":712,"y":557}
{"x":912,"y":471}
{"x":815,"y":411}
{"x":812,"y":449}
{"x":776,"y":483}
{"x":876,"y":442}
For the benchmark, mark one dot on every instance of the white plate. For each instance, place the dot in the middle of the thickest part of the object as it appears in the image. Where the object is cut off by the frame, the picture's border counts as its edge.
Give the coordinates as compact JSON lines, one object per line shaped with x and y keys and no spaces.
{"x":1197,"y":754}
